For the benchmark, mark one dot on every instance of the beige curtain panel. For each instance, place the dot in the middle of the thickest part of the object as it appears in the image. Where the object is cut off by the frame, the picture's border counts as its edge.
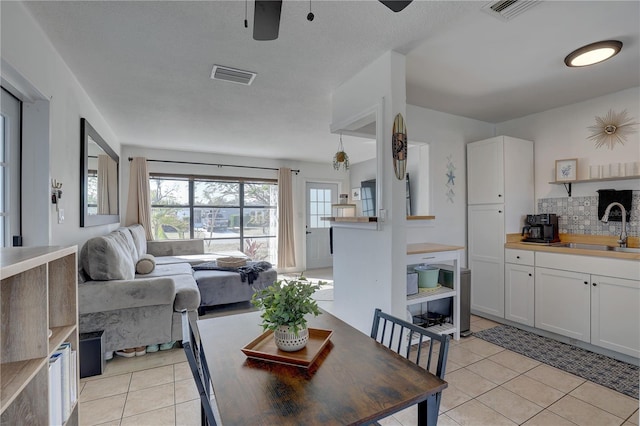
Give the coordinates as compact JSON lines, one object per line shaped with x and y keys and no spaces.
{"x":107,"y":185}
{"x":286,"y":242}
{"x":139,"y":199}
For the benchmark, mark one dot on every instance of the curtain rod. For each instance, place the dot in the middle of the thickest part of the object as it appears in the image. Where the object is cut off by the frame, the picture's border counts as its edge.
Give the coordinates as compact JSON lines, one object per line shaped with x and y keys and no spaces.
{"x":296,"y":171}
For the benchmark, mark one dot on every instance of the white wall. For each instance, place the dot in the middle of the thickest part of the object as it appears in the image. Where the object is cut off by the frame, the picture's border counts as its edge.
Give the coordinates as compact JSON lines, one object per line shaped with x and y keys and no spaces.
{"x":447,"y":136}
{"x":563,"y":133}
{"x":32,"y":64}
{"x":309,"y":172}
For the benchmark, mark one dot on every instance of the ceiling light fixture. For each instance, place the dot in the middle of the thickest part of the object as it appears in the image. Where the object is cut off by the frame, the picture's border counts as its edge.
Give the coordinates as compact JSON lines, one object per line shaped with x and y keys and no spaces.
{"x":593,"y":53}
{"x":341,"y":159}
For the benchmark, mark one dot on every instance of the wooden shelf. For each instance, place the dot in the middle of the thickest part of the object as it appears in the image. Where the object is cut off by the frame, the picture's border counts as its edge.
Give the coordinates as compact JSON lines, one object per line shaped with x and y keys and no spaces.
{"x":356,"y":219}
{"x":39,"y":292}
{"x":421,"y":217}
{"x":15,"y":377}
{"x":596,"y":180}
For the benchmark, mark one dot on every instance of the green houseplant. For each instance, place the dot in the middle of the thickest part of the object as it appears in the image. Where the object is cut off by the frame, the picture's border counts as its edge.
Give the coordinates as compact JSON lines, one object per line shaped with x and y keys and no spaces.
{"x":284,"y":306}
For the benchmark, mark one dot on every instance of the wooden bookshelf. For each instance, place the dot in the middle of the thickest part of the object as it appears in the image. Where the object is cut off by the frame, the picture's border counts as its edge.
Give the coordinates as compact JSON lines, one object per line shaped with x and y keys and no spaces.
{"x":39,"y":292}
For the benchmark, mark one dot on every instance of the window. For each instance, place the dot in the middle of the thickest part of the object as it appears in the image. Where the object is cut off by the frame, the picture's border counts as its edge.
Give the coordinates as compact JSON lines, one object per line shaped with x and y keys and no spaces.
{"x":230,"y":215}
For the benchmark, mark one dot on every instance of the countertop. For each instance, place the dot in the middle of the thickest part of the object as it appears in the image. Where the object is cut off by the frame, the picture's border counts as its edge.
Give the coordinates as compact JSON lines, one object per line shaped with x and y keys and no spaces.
{"x":513,"y":242}
{"x":430,"y":248}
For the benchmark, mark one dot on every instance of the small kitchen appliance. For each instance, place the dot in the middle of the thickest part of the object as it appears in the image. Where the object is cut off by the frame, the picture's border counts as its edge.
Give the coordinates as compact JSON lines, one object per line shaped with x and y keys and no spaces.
{"x":541,"y":228}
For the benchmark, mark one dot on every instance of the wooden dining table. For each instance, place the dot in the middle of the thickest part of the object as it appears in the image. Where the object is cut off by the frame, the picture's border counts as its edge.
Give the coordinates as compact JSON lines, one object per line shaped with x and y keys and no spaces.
{"x":354,"y":380}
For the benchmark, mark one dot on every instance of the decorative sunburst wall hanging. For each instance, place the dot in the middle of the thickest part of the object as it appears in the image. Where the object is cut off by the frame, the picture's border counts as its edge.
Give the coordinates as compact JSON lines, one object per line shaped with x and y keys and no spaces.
{"x":612,"y":128}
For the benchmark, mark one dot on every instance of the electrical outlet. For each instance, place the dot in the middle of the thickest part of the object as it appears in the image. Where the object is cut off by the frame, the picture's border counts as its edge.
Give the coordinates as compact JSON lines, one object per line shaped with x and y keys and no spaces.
{"x":60,"y":215}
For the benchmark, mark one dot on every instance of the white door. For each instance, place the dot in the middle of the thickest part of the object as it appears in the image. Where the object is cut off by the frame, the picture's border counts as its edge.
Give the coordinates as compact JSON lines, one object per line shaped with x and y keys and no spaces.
{"x":563,"y":303}
{"x":486,"y":258}
{"x":320,"y":196}
{"x":615,"y":314}
{"x":485,"y":171}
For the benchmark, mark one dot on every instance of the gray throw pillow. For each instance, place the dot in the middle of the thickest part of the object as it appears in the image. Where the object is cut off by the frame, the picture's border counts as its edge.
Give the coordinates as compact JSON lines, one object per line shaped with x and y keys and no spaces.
{"x":146,"y":264}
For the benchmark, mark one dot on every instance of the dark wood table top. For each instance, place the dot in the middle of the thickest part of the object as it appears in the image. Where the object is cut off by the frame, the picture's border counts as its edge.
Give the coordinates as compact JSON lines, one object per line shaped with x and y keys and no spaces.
{"x":355,"y":380}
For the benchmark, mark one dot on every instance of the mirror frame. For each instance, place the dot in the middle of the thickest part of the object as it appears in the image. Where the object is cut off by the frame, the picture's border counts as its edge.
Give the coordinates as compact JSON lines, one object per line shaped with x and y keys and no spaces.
{"x":86,"y":131}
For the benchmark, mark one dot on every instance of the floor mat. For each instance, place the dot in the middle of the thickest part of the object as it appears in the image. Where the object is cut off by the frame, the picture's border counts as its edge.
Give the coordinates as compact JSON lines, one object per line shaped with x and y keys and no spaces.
{"x":611,"y":373}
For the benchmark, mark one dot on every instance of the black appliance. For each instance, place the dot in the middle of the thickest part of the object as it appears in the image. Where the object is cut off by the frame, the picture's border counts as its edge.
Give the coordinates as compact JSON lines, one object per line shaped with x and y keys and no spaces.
{"x":541,"y":228}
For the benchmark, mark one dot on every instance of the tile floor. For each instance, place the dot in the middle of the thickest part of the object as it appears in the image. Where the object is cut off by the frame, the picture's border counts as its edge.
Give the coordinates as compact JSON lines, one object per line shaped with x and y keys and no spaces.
{"x":488,"y":385}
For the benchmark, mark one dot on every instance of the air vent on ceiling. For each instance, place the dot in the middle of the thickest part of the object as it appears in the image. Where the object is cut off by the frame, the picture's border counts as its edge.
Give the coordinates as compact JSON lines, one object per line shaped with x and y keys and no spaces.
{"x":508,"y":9}
{"x":233,"y":75}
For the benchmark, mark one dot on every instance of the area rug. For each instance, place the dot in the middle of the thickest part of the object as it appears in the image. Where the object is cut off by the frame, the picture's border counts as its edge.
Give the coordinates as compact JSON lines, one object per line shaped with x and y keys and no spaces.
{"x":611,"y":373}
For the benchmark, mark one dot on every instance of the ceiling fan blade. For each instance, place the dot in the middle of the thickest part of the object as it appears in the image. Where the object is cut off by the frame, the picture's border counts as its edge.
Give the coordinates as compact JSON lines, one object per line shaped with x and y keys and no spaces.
{"x":395,"y":5}
{"x":266,"y":21}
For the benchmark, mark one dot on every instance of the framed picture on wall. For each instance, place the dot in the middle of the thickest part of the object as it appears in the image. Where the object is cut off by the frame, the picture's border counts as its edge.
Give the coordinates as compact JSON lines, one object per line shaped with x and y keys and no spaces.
{"x":566,"y":170}
{"x":355,"y":194}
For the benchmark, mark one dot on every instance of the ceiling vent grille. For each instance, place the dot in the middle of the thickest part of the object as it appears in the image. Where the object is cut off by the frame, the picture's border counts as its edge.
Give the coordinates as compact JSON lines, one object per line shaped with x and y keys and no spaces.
{"x":233,"y":75}
{"x":508,"y":9}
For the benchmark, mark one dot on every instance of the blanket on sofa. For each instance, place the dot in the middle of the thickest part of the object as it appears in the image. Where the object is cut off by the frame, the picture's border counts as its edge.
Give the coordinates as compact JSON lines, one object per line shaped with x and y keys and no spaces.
{"x":248,"y":273}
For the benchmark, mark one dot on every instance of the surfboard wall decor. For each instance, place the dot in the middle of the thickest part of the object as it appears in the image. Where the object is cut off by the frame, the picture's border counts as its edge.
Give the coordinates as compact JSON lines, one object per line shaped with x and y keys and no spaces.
{"x":399,"y":147}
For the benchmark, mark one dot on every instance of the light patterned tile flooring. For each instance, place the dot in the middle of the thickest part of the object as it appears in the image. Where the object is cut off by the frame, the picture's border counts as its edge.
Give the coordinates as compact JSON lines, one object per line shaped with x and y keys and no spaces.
{"x":487,"y":386}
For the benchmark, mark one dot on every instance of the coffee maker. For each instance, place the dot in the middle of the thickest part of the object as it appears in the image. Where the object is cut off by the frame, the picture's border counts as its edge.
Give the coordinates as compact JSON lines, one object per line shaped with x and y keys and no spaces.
{"x":541,"y":228}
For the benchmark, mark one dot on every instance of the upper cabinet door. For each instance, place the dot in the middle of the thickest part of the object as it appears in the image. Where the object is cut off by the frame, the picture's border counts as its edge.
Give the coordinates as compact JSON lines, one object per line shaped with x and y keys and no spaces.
{"x":485,"y":171}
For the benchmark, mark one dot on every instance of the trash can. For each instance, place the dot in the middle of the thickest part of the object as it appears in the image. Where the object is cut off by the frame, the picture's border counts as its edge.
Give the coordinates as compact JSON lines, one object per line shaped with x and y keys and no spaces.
{"x":91,"y":356}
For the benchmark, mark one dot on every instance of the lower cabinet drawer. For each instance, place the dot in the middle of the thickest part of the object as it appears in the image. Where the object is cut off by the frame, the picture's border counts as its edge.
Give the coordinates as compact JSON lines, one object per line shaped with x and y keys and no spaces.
{"x":519,"y":257}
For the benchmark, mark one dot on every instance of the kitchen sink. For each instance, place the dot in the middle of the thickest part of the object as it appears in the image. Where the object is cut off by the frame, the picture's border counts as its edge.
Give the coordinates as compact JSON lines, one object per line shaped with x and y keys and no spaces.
{"x":600,"y":247}
{"x":585,"y":246}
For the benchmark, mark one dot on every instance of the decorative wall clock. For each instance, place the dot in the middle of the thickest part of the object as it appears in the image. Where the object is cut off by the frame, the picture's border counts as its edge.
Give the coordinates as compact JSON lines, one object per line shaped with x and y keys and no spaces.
{"x":612,"y":128}
{"x":399,"y":147}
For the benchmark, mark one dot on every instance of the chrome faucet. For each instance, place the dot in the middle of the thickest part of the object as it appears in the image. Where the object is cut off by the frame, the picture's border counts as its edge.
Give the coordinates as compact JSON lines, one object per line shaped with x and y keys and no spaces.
{"x":605,"y":218}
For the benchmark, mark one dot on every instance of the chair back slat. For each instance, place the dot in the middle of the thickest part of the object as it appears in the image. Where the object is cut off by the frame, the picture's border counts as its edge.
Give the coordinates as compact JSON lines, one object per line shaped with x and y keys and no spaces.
{"x":407,"y":332}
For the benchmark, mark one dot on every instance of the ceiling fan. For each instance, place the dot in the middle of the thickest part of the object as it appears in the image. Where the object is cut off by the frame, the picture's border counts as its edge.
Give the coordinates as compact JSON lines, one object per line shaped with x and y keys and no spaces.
{"x":266,"y":21}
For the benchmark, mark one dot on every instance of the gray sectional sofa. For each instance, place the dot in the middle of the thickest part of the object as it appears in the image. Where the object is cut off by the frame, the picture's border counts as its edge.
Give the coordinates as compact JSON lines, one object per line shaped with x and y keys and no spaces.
{"x":135,"y":309}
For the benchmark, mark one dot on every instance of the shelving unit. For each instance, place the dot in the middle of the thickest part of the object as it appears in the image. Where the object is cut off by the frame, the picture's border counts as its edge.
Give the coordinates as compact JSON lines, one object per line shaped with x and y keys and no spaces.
{"x":567,"y":184}
{"x":427,"y":253}
{"x":38,"y":293}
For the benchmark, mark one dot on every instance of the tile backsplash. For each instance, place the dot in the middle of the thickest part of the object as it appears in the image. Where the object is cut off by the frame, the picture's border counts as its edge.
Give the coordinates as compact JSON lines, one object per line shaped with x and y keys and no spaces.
{"x":579,"y":215}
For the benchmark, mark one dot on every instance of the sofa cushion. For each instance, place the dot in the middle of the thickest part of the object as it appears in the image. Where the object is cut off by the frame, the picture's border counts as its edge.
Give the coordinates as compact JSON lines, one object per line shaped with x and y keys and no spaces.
{"x":139,"y":238}
{"x":146,"y":264}
{"x":131,"y":246}
{"x":107,"y":258}
{"x":94,"y":296}
{"x":168,"y":270}
{"x":187,"y":293}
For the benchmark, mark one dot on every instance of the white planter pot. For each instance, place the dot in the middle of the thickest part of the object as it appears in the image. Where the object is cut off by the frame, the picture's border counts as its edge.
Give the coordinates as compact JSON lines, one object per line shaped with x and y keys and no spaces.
{"x":286,"y":340}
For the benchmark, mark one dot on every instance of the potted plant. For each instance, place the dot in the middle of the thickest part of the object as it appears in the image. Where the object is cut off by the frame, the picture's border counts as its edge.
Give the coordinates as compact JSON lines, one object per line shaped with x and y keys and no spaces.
{"x":284,"y":306}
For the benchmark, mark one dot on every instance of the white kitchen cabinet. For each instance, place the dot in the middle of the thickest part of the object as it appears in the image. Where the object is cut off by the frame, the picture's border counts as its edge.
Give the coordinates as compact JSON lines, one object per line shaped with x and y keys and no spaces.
{"x":500,"y":195}
{"x":486,"y":259}
{"x":519,"y":286}
{"x":485,"y":171}
{"x":563,"y":302}
{"x":519,"y":293}
{"x":615,"y":314}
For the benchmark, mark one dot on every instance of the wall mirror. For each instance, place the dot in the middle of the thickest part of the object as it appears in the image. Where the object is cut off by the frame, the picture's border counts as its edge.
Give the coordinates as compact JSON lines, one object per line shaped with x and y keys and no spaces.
{"x":99,"y":183}
{"x":366,"y":126}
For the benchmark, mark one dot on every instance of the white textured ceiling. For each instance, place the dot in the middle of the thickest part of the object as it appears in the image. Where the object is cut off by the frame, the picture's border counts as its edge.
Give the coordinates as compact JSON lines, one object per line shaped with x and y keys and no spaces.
{"x":146,"y":65}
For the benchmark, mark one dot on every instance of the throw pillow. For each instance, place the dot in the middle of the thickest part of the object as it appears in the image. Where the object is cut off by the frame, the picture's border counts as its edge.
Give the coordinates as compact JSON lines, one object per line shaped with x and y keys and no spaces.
{"x":146,"y":264}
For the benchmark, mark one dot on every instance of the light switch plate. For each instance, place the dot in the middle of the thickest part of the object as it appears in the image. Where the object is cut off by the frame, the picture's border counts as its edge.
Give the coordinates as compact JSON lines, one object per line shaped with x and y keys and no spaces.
{"x":60,"y":215}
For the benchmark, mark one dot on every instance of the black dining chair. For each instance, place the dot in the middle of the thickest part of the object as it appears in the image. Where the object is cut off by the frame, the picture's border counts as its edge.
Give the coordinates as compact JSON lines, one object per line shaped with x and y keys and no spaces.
{"x":199,"y":369}
{"x":398,"y":335}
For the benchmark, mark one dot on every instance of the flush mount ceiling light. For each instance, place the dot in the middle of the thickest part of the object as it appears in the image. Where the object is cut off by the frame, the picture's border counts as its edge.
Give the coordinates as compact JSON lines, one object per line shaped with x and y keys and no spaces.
{"x":593,"y":53}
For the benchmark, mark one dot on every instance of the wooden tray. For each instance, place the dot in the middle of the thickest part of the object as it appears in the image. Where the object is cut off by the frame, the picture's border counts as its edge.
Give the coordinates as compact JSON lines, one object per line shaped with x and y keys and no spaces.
{"x":264,"y":348}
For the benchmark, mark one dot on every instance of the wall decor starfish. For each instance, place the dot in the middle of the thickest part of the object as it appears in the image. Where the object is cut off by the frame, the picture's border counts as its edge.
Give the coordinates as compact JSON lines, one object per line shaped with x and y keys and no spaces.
{"x":612,"y":128}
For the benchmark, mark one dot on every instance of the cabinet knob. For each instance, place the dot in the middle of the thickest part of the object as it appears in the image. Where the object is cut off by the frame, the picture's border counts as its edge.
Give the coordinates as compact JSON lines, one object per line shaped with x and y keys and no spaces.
{"x":530,"y":275}
{"x":594,"y":284}
{"x":586,"y":283}
{"x":499,"y":211}
{"x":499,"y":195}
{"x":517,"y":257}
